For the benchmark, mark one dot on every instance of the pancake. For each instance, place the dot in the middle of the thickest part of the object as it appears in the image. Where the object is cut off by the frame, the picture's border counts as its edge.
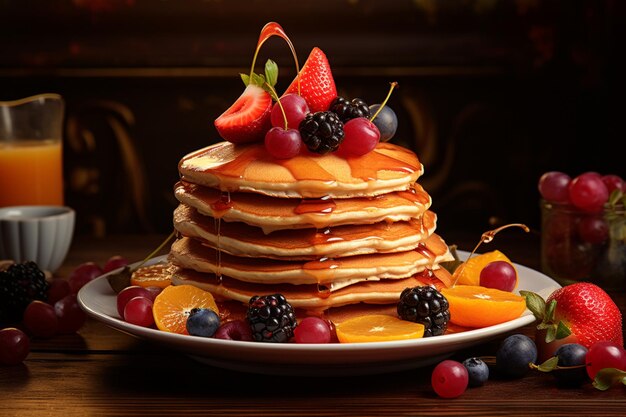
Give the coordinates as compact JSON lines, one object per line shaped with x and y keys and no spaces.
{"x":334,"y":273}
{"x":241,"y":239}
{"x":250,"y":168}
{"x":310,"y":296}
{"x":271,"y":214}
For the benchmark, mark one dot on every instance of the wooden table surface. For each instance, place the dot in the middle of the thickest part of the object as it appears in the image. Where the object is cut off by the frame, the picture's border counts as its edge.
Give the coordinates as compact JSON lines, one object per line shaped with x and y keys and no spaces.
{"x":102,"y":372}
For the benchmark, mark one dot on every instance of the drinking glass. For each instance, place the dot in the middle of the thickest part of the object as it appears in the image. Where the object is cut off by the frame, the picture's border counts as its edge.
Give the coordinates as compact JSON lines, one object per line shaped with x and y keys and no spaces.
{"x":31,"y":165}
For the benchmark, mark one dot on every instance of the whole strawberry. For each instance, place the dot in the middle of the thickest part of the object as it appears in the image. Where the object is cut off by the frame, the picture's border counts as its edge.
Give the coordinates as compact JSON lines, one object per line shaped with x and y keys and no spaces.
{"x":317,"y":85}
{"x":579,"y":313}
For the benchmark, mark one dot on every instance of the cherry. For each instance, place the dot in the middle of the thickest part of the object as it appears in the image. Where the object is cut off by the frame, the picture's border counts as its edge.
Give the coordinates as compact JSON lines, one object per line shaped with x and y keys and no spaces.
{"x":295,"y":111}
{"x":360,"y":137}
{"x":14,"y":346}
{"x":283,"y":144}
{"x":41,"y":320}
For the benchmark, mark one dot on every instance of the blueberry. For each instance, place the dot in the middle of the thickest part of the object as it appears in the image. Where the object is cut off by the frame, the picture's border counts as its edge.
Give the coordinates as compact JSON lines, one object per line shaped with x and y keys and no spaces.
{"x":386,"y":121}
{"x":514,"y":355}
{"x":202,"y":322}
{"x":477,"y":370}
{"x":571,"y":354}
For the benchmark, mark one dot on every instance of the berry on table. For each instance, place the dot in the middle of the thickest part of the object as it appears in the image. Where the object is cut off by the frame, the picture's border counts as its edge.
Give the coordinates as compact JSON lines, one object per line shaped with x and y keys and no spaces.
{"x":322,"y":132}
{"x":40,"y":319}
{"x":14,"y":346}
{"x":571,"y":354}
{"x":312,"y":330}
{"x":19,"y":285}
{"x":477,"y":370}
{"x":449,"y":379}
{"x":235,"y":330}
{"x":514,"y":356}
{"x":83,"y":274}
{"x":71,"y":316}
{"x":386,"y":121}
{"x":271,"y":318}
{"x":202,"y":322}
{"x":58,"y":289}
{"x":347,"y":110}
{"x":427,"y":306}
{"x":113,"y":263}
{"x":605,"y":355}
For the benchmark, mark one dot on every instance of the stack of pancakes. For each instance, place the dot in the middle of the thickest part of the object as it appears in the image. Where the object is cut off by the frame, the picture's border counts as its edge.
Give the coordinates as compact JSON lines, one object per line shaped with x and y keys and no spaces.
{"x":324,"y":231}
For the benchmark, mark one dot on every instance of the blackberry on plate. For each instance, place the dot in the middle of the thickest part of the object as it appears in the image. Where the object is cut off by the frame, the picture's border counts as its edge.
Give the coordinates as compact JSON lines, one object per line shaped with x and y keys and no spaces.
{"x":347,"y":110}
{"x":271,"y":318}
{"x":322,"y":132}
{"x":19,"y":285}
{"x":427,"y":306}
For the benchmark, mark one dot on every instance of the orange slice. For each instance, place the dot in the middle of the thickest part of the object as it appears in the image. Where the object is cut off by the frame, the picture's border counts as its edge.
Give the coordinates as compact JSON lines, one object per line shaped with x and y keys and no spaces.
{"x":475,"y":306}
{"x":468,"y":273}
{"x":152,"y":276}
{"x":377,"y":328}
{"x":172,"y":306}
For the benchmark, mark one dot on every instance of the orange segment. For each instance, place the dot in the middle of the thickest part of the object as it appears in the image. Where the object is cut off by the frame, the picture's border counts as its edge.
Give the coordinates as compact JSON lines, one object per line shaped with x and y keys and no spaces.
{"x":475,"y":306}
{"x":377,"y":328}
{"x":468,"y":273}
{"x":152,"y":276}
{"x":172,"y":306}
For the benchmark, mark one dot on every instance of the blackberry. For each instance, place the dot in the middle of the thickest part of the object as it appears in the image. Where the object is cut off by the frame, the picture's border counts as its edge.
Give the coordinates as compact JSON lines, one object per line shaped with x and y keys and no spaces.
{"x":271,"y":318}
{"x":347,"y":110}
{"x":425,"y":305}
{"x":19,"y":285}
{"x":321,"y":132}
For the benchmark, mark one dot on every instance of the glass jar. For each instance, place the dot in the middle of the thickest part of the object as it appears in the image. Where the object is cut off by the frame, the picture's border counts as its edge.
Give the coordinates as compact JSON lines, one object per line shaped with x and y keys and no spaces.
{"x":579,"y":246}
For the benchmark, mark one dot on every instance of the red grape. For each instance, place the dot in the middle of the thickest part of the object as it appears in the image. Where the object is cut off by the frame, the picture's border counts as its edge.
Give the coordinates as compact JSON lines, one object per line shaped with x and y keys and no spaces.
{"x":138,"y":311}
{"x":613,"y":182}
{"x":360,"y":137}
{"x":588,"y":192}
{"x":605,"y":355}
{"x":593,"y":229}
{"x":283,"y":144}
{"x":295,"y":109}
{"x":131,"y":292}
{"x":14,"y":346}
{"x":312,"y":330}
{"x":71,"y":317}
{"x":234,"y":330}
{"x":553,"y":187}
{"x":113,"y":263}
{"x":154,"y":291}
{"x":499,"y":275}
{"x":83,"y":274}
{"x":59,"y":288}
{"x":41,"y":320}
{"x":449,"y":379}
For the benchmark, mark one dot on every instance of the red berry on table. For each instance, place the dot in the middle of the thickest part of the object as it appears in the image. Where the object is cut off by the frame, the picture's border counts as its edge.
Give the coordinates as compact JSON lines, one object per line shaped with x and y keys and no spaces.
{"x":283,"y":144}
{"x":248,"y":118}
{"x":554,"y":187}
{"x":500,"y":275}
{"x":317,"y":85}
{"x":605,"y":355}
{"x":113,"y":263}
{"x":312,"y":330}
{"x":449,"y":379}
{"x":613,"y":182}
{"x":82,"y":275}
{"x":360,"y":137}
{"x":14,"y":346}
{"x":138,"y":311}
{"x":71,"y":316}
{"x":588,"y":192}
{"x":296,"y":110}
{"x":59,"y":288}
{"x":40,"y":319}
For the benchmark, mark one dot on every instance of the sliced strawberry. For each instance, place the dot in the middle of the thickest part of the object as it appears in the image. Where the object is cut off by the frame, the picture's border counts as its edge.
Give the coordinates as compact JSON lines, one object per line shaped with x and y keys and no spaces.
{"x":317,"y":85}
{"x":248,"y":119}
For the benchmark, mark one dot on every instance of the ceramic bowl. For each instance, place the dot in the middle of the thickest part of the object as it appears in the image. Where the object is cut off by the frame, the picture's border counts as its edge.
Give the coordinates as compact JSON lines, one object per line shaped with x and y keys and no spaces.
{"x":42,"y":234}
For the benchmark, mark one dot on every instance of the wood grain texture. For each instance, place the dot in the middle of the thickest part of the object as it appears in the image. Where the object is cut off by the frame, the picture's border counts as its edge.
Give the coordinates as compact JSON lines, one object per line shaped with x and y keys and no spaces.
{"x":102,"y":372}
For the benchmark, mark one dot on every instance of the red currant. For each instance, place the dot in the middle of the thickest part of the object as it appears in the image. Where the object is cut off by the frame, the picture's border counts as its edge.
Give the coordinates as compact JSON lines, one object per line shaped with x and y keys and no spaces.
{"x":449,"y":379}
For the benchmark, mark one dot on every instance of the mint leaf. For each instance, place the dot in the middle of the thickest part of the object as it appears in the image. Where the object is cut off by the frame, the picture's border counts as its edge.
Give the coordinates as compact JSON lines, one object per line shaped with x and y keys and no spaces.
{"x":271,"y":72}
{"x":535,"y":304}
{"x":549,"y":365}
{"x":607,"y":377}
{"x":562,"y":331}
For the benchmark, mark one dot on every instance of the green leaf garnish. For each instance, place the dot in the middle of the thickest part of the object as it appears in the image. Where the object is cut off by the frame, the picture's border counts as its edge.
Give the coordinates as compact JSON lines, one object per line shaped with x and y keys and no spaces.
{"x":535,"y":303}
{"x":562,"y":331}
{"x":549,"y":365}
{"x":549,"y":317}
{"x":551,"y":334}
{"x":271,"y":72}
{"x":607,"y":377}
{"x":257,"y":79}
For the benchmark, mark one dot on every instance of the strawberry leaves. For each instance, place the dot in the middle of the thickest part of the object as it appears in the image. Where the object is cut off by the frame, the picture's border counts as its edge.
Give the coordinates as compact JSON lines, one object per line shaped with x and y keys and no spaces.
{"x":543,"y":312}
{"x":607,"y":377}
{"x":266,"y":81}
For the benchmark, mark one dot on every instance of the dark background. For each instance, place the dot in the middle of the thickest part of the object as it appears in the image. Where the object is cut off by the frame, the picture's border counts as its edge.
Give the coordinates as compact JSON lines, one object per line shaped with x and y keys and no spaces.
{"x":492,"y":93}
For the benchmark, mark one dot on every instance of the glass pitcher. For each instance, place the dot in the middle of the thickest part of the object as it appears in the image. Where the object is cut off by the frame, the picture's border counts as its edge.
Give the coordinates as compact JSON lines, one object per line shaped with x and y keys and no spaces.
{"x":31,"y":153}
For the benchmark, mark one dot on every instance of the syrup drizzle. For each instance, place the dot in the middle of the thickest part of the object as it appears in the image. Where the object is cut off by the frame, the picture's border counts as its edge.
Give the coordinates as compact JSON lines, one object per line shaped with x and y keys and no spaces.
{"x":414,"y":195}
{"x":219,"y":208}
{"x":322,"y":205}
{"x":323,"y":270}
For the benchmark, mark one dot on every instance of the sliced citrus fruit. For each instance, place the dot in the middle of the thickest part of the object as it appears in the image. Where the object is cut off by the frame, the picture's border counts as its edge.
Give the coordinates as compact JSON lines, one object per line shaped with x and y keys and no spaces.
{"x":468,"y":273}
{"x":377,"y":328}
{"x":172,"y":306}
{"x":152,"y":276}
{"x":475,"y":306}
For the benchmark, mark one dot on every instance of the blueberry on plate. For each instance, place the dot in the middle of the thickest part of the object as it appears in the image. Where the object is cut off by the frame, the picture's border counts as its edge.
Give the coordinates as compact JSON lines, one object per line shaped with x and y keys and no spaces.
{"x":202,"y":322}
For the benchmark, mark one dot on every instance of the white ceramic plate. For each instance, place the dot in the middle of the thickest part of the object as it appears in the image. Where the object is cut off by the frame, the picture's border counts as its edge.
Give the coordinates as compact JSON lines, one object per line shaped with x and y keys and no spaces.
{"x":99,"y":301}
